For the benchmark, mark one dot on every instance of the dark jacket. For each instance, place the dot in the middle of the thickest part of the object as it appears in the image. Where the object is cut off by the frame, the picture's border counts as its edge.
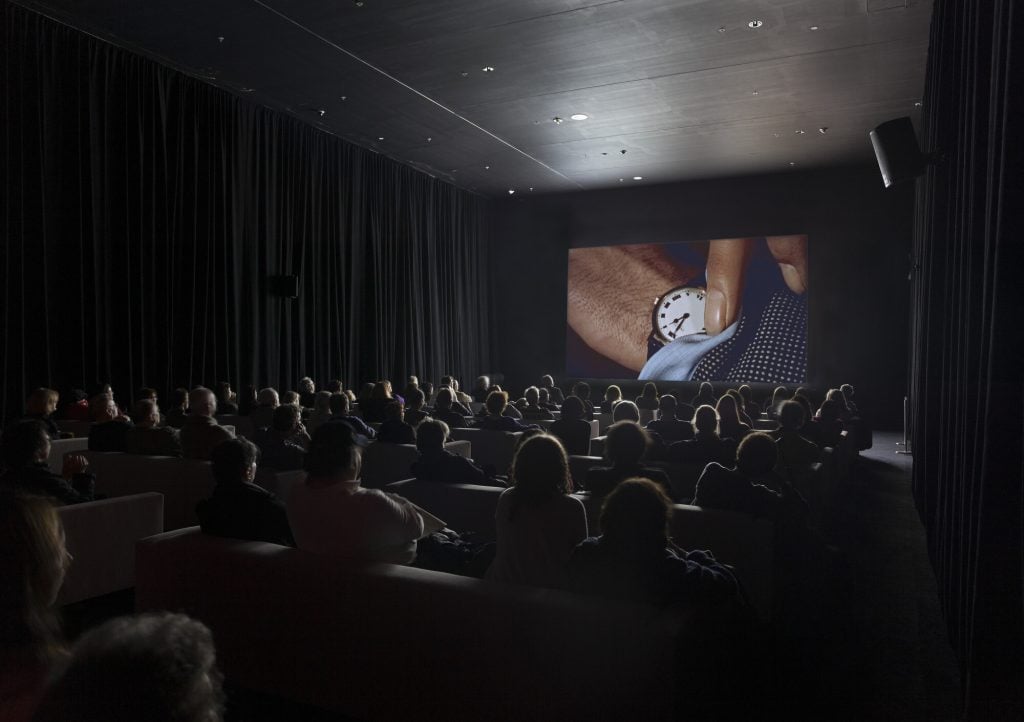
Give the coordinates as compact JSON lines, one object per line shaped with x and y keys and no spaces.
{"x":394,"y":431}
{"x":703,"y":450}
{"x":451,"y":469}
{"x":51,"y":426}
{"x":575,"y":435}
{"x":176,"y":418}
{"x":200,"y":435}
{"x":245,"y":511}
{"x":37,"y":478}
{"x":503,"y":423}
{"x":672,"y":430}
{"x":452,"y":418}
{"x":728,"y":489}
{"x":602,"y":479}
{"x":159,"y":441}
{"x":278,"y":453}
{"x":110,"y":435}
{"x":415,"y":416}
{"x":355,"y":423}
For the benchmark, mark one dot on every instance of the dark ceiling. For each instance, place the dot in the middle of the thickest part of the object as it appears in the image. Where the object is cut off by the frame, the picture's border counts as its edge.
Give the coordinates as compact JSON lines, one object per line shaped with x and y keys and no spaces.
{"x":674,"y":89}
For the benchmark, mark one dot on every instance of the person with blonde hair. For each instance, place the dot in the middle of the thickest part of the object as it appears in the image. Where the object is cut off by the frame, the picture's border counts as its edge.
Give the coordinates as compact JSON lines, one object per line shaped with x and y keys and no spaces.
{"x":538,"y":524}
{"x":32,"y":569}
{"x":40,"y":405}
{"x":24,"y":449}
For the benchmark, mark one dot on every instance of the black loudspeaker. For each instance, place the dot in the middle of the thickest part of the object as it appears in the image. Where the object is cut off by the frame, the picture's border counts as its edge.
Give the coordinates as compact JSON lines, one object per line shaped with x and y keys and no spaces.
{"x":899,"y":157}
{"x":284,"y":286}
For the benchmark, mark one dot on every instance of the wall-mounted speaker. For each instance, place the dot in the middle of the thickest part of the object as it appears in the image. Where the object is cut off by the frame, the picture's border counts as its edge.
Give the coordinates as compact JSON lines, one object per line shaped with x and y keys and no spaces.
{"x":899,"y":157}
{"x":284,"y":286}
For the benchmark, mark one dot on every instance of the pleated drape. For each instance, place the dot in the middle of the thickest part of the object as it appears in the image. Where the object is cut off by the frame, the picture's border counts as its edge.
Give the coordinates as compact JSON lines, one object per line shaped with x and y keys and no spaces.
{"x":144,"y":212}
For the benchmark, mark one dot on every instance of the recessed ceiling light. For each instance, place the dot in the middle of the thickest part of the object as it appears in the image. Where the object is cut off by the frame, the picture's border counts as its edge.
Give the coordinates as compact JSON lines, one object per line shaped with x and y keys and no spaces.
{"x":511,"y":191}
{"x":917,"y":104}
{"x":799,"y":132}
{"x":558,"y":121}
{"x":813,"y":27}
{"x":792,"y":162}
{"x":623,"y":151}
{"x":359,"y":3}
{"x":344,"y":97}
{"x":638,"y":177}
{"x":621,"y":179}
{"x":487,"y":167}
{"x":755,"y":24}
{"x":721,"y":29}
{"x":777,"y":135}
{"x":823,"y":129}
{"x":429,"y":139}
{"x":579,"y":116}
{"x":531,"y":188}
{"x":220,"y":38}
{"x":488,"y":68}
{"x":464,"y":74}
{"x":754,"y":92}
{"x":322,"y":112}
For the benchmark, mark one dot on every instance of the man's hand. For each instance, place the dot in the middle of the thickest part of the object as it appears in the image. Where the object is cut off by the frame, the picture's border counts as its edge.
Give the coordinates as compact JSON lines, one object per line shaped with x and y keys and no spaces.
{"x":74,"y":464}
{"x":727,"y":267}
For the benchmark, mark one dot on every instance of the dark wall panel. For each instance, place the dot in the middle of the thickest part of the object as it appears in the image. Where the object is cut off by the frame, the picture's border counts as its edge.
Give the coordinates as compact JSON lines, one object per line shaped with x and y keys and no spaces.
{"x":859,"y":243}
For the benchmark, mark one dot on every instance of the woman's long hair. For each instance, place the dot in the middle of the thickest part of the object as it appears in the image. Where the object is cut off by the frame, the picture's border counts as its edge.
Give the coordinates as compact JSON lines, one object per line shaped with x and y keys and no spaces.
{"x":540,"y":472}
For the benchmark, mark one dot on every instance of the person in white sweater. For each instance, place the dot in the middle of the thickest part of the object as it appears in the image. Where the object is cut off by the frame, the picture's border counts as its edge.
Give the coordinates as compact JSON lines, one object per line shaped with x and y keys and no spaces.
{"x":331,"y":513}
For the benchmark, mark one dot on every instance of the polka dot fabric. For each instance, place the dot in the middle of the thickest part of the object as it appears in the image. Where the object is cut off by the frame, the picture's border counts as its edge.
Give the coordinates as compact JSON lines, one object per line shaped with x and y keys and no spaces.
{"x":774,"y":350}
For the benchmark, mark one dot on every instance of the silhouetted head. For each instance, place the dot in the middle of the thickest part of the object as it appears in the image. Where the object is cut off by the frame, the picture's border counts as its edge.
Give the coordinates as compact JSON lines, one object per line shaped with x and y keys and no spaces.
{"x":444,"y":399}
{"x":613,"y":393}
{"x":572,"y":409}
{"x":334,"y":452}
{"x":667,"y":404}
{"x":431,"y":435}
{"x":306,"y":385}
{"x":705,"y":420}
{"x":532,"y":395}
{"x":757,"y":454}
{"x":726,"y":409}
{"x":540,"y":471}
{"x":42,"y":402}
{"x":581,"y":389}
{"x":496,"y":402}
{"x":286,"y":419}
{"x":339,"y":404}
{"x":268,"y":397}
{"x":146,"y":414}
{"x":791,"y":415}
{"x":650,"y":391}
{"x":626,"y":443}
{"x":322,"y":402}
{"x":625,"y":411}
{"x":394,"y":411}
{"x":102,"y":408}
{"x":635,"y":516}
{"x":202,"y":402}
{"x":234,"y":461}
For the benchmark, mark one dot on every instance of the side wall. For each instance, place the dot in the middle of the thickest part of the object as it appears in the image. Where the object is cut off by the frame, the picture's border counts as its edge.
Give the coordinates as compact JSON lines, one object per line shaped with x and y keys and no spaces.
{"x":859,"y":243}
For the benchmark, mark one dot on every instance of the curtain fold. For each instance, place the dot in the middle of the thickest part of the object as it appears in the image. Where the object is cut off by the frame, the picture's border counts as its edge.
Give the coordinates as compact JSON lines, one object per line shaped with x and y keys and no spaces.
{"x":144,"y":212}
{"x":967,"y":362}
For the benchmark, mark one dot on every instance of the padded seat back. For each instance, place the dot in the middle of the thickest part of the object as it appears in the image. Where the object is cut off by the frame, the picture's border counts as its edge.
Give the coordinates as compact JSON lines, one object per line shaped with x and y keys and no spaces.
{"x":489,"y":447}
{"x":384,"y":463}
{"x":243,"y":425}
{"x":101,"y":536}
{"x":59,"y":447}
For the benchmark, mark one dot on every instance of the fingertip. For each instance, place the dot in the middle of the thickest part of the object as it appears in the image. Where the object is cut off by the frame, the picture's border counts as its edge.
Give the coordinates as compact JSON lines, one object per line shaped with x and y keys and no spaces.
{"x":715,"y":310}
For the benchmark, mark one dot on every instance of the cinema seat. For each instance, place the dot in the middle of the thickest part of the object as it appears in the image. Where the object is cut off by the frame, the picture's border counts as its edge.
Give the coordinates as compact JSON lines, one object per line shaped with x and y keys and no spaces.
{"x":101,"y":537}
{"x":489,"y":447}
{"x":392,"y":643}
{"x":59,"y":447}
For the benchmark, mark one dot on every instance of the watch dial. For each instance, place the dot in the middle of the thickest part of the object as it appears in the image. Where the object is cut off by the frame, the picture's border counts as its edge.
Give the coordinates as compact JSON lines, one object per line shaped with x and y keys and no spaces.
{"x":680,"y":313}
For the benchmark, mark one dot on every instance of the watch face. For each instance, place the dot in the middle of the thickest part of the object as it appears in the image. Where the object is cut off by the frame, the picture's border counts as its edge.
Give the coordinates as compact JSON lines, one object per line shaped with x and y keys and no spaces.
{"x":678,"y":313}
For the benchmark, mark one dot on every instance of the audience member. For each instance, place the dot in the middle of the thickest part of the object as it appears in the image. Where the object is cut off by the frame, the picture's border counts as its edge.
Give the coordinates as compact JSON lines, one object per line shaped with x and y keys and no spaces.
{"x":625,"y":446}
{"x":668,"y":426}
{"x":612,"y":396}
{"x":178,"y":412}
{"x":545,"y":402}
{"x":794,"y":450}
{"x":533,"y":410}
{"x":457,"y":405}
{"x":581,"y":390}
{"x":738,"y":489}
{"x":340,"y":413}
{"x":836,"y":396}
{"x":648,"y":398}
{"x":829,"y":427}
{"x":809,"y":430}
{"x":554,"y":393}
{"x":278,"y":449}
{"x":238,"y":508}
{"x":395,"y":430}
{"x":372,"y":409}
{"x":750,"y":407}
{"x":480,"y":389}
{"x":443,"y":410}
{"x":496,"y":419}
{"x":153,"y":667}
{"x":634,"y":561}
{"x":414,"y":413}
{"x":263,"y":414}
{"x":705,"y":395}
{"x":226,"y":399}
{"x":411,"y":384}
{"x":331,"y":513}
{"x":291,"y":398}
{"x":625,"y":411}
{"x":334,"y":386}
{"x":741,"y":412}
{"x":848,"y":393}
{"x":571,"y":429}
{"x":40,"y":405}
{"x":779,"y":395}
{"x":706,"y":445}
{"x":76,"y":408}
{"x":246,"y":400}
{"x":110,"y":429}
{"x":729,"y":424}
{"x":32,"y":568}
{"x":438,"y":464}
{"x":307,"y":392}
{"x":201,"y":432}
{"x":321,"y":410}
{"x":538,"y":524}
{"x":150,"y":394}
{"x":147,"y":437}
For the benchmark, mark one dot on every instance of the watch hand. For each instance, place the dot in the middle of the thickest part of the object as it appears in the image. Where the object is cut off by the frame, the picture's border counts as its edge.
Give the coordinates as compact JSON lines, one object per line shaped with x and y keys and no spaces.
{"x":682,"y":320}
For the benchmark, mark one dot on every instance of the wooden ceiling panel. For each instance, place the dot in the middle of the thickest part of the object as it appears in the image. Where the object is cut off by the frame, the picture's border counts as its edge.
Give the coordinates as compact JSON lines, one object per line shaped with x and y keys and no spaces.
{"x":657,"y":78}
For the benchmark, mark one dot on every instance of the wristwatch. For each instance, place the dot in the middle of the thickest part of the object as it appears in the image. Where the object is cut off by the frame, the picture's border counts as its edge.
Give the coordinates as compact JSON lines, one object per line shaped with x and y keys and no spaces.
{"x":678,"y":313}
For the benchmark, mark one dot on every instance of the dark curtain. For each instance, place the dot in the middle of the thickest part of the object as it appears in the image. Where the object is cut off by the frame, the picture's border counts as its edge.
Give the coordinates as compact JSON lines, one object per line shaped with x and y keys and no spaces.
{"x":966,"y":369}
{"x":144,"y":212}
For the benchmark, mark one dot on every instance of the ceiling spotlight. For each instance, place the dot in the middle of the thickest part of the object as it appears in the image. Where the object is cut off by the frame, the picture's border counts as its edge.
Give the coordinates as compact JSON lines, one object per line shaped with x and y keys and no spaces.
{"x":721,"y":29}
{"x":429,"y":139}
{"x":558,"y":121}
{"x":487,"y":167}
{"x":776,"y":135}
{"x":531,"y":188}
{"x":621,"y":179}
{"x":638,"y":177}
{"x":488,"y":69}
{"x":755,"y":24}
{"x":792,"y":162}
{"x":799,"y":132}
{"x":322,"y":112}
{"x":464,"y":74}
{"x":344,"y":97}
{"x":813,"y":27}
{"x":511,"y":191}
{"x":754,"y":92}
{"x":220,"y":38}
{"x":823,"y":129}
{"x":380,"y":137}
{"x":917,"y":104}
{"x":359,"y":3}
{"x":579,"y":116}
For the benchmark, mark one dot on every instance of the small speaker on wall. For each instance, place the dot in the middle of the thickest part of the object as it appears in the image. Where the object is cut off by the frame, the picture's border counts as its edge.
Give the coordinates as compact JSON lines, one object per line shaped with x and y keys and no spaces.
{"x":899,"y":157}
{"x":284,"y":286}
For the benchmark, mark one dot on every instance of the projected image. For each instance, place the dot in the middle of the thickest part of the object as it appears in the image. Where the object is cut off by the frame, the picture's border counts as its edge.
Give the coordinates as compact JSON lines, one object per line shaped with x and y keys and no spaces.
{"x":731,"y":309}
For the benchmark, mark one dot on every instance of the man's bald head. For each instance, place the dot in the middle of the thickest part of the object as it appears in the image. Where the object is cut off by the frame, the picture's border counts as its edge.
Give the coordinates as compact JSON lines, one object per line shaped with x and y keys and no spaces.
{"x":202,"y":402}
